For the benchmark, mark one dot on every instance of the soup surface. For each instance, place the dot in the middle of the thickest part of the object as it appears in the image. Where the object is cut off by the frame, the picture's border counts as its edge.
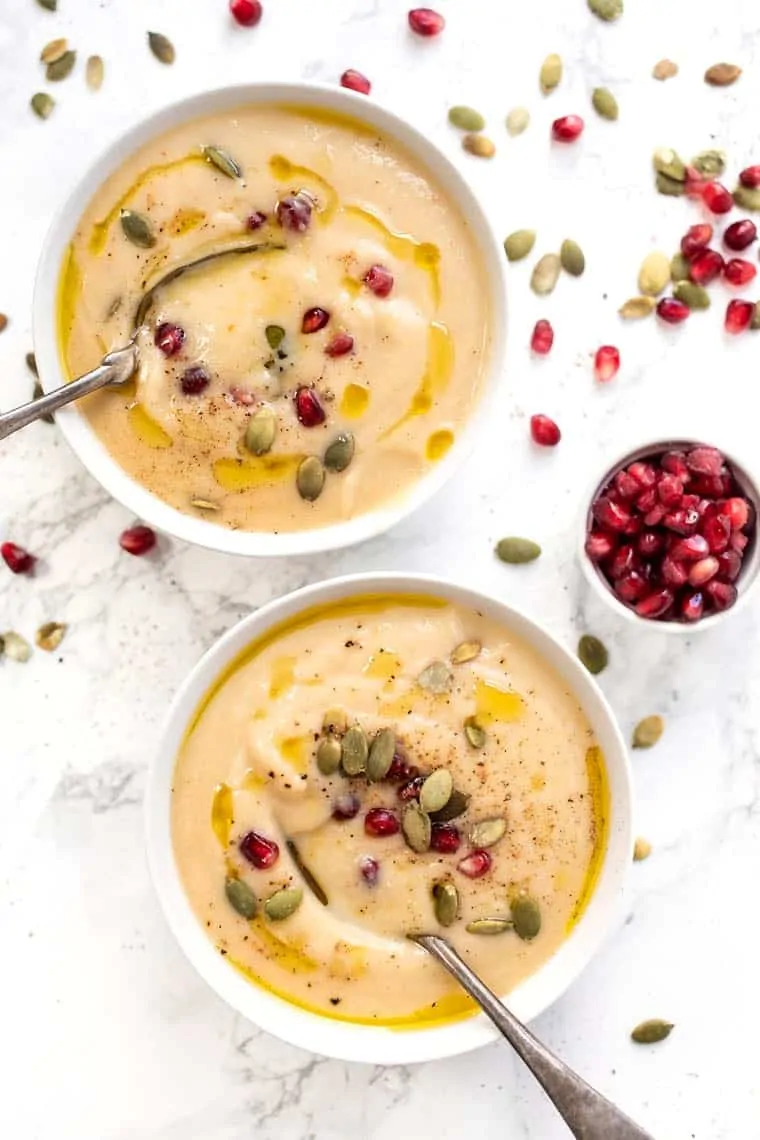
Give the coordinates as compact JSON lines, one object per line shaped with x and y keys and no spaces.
{"x":376,"y":768}
{"x":312,"y":378}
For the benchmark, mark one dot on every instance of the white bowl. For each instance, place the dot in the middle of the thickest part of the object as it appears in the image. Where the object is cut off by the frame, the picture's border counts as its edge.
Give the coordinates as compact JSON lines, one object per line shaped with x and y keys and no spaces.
{"x":748,"y":575}
{"x":93,"y":453}
{"x":376,"y":1044}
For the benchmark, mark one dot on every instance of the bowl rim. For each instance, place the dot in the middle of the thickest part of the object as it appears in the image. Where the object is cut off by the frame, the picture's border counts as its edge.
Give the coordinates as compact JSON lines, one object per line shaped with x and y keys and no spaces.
{"x":377,"y":1044}
{"x":93,"y":453}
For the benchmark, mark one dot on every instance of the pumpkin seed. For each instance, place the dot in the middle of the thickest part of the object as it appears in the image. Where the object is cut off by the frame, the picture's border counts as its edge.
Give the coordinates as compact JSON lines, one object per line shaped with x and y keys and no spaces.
{"x":48,"y":5}
{"x":53,"y":51}
{"x":593,"y":653}
{"x":61,"y":67}
{"x":711,"y":163}
{"x":517,"y":121}
{"x":162,"y":47}
{"x":328,"y":755}
{"x":50,"y":635}
{"x":465,"y":651}
{"x":666,"y":161}
{"x":340,"y":452}
{"x":747,"y":197}
{"x":240,"y":897}
{"x":224,"y":162}
{"x":519,"y":244}
{"x":545,"y":274}
{"x":679,"y":268}
{"x":487,"y":832}
{"x":670,"y":187}
{"x":37,"y":393}
{"x":381,"y":754}
{"x":636,"y":307}
{"x":607,"y":10}
{"x":3,"y":322}
{"x":551,"y":73}
{"x":654,"y":274}
{"x":479,"y":145}
{"x":204,"y":505}
{"x":335,"y":721}
{"x":137,"y":229}
{"x":310,"y":478}
{"x":665,"y":69}
{"x":436,"y":678}
{"x":489,"y":926}
{"x":457,"y":805}
{"x":516,"y":551}
{"x":466,"y":118}
{"x":754,"y":324}
{"x":474,"y":733}
{"x":651,"y":1032}
{"x":571,"y":258}
{"x":695,"y":296}
{"x":94,"y":71}
{"x":526,"y":917}
{"x":642,"y":849}
{"x":283,"y":903}
{"x":354,"y":751}
{"x":275,"y":335}
{"x":722,"y":74}
{"x":445,"y":903}
{"x":436,"y":791}
{"x":605,"y":104}
{"x":416,"y":827}
{"x":261,"y":430}
{"x":648,"y":731}
{"x":42,"y":104}
{"x":15,"y":646}
{"x":312,"y":883}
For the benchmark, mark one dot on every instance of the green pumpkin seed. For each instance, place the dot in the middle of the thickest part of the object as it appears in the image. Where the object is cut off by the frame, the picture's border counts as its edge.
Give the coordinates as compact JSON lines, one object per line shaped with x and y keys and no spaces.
{"x":261,"y":430}
{"x":519,"y":244}
{"x":606,"y":10}
{"x":571,"y":258}
{"x":445,"y":903}
{"x":61,"y":67}
{"x":654,"y":274}
{"x":340,"y":452}
{"x":516,"y":551}
{"x":456,"y":805}
{"x":15,"y":646}
{"x":648,"y":731}
{"x":48,"y":5}
{"x":335,"y":721}
{"x":436,"y":791}
{"x":50,"y":635}
{"x":474,"y":733}
{"x":642,"y":849}
{"x":711,"y":163}
{"x":94,"y":71}
{"x":545,"y":274}
{"x":465,"y":651}
{"x":636,"y":307}
{"x":526,"y":917}
{"x":162,"y":48}
{"x":240,"y":897}
{"x":665,"y":69}
{"x":311,"y":882}
{"x":488,"y":832}
{"x":354,"y":751}
{"x":479,"y":145}
{"x":275,"y":335}
{"x":517,"y":121}
{"x":436,"y":678}
{"x":671,"y":187}
{"x":42,"y":104}
{"x":754,"y":324}
{"x":695,"y":296}
{"x":416,"y":827}
{"x":282,"y":904}
{"x":679,"y":268}
{"x":747,"y":197}
{"x":224,"y":162}
{"x":204,"y":505}
{"x":310,"y":478}
{"x":53,"y":51}
{"x":551,"y":73}
{"x":489,"y":926}
{"x":722,"y":74}
{"x":381,"y":754}
{"x":605,"y":104}
{"x":328,"y":755}
{"x":666,"y":161}
{"x":593,"y":653}
{"x":137,"y":229}
{"x":466,"y":118}
{"x":651,"y":1032}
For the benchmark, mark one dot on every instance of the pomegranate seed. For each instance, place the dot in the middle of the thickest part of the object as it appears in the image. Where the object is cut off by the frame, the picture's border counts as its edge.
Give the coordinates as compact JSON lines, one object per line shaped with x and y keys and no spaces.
{"x":476,"y":864}
{"x":721,"y":594}
{"x":705,"y":461}
{"x":18,"y":560}
{"x":730,"y":564}
{"x":615,"y":516}
{"x":599,"y":545}
{"x":445,"y":838}
{"x":346,"y":806}
{"x":379,"y":280}
{"x":626,"y":485}
{"x":738,"y":542}
{"x":169,"y":338}
{"x":695,"y":239}
{"x":314,"y":320}
{"x":355,"y":81}
{"x":740,"y":234}
{"x":309,"y":408}
{"x":567,"y":128}
{"x":411,"y":790}
{"x":717,"y":199}
{"x":692,"y":606}
{"x":709,"y":486}
{"x":717,"y":532}
{"x":670,"y":490}
{"x":263,"y":853}
{"x":542,"y":338}
{"x":242,"y":396}
{"x":426,"y":22}
{"x":674,"y":573}
{"x":194,"y":380}
{"x":706,"y":266}
{"x":694,"y":503}
{"x":246,"y":12}
{"x":369,"y":869}
{"x":381,"y":822}
{"x":693,"y":183}
{"x":400,"y":768}
{"x":650,"y":543}
{"x":644,"y":474}
{"x":656,"y":515}
{"x":738,"y":316}
{"x":674,"y":462}
{"x":623,"y":560}
{"x":737,"y":512}
{"x":681,"y":521}
{"x":701,"y":572}
{"x":544,"y":431}
{"x":631,"y":587}
{"x":738,"y":271}
{"x":635,"y":526}
{"x":656,"y":604}
{"x":672,"y":310}
{"x":137,"y":540}
{"x":647,"y":500}
{"x":255,"y":220}
{"x":293,"y":212}
{"x":689,"y":549}
{"x":340,"y":344}
{"x":750,"y":177}
{"x":606,"y":363}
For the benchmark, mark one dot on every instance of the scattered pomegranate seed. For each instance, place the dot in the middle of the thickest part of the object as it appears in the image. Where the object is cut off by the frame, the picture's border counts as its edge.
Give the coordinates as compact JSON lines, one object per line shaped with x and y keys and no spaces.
{"x":690,"y":549}
{"x":649,"y":543}
{"x":655,"y":604}
{"x":730,"y":564}
{"x":263,"y":853}
{"x":644,"y":474}
{"x":693,"y":183}
{"x":355,"y":81}
{"x":255,"y":220}
{"x":309,"y":408}
{"x":476,"y":864}
{"x":615,"y":516}
{"x":672,"y":310}
{"x":717,"y":199}
{"x":293,"y":212}
{"x":411,"y":789}
{"x":18,"y":560}
{"x":194,"y":380}
{"x":738,"y":271}
{"x":701,"y":572}
{"x":740,"y":234}
{"x":369,"y":869}
{"x":346,"y":806}
{"x":631,"y":587}
{"x":314,"y":320}
{"x":696,"y":239}
{"x":599,"y":545}
{"x":670,"y":490}
{"x":401,"y":769}
{"x":242,"y":396}
{"x":737,"y":512}
{"x":722,"y":594}
{"x":426,"y":22}
{"x":381,"y":822}
{"x":544,"y":431}
{"x":543,"y":338}
{"x":606,"y":363}
{"x":706,"y":266}
{"x":692,"y":606}
{"x":750,"y":177}
{"x":567,"y":128}
{"x":137,"y":540}
{"x":379,"y":280}
{"x":738,"y":316}
{"x":717,"y":532}
{"x":169,"y":338}
{"x":340,"y":344}
{"x":247,"y":13}
{"x":445,"y":838}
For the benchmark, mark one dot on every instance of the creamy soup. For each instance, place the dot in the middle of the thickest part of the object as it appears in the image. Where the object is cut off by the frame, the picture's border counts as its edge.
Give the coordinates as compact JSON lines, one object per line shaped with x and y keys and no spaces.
{"x":378,"y":768}
{"x":315,"y":376}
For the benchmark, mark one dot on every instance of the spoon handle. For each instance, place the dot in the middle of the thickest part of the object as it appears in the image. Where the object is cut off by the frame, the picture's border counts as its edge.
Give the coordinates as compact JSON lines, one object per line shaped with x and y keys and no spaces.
{"x":588,"y":1114}
{"x":115,"y":368}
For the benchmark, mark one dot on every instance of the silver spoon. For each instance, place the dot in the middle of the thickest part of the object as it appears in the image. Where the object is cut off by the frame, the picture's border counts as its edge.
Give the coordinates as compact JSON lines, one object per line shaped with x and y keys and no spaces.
{"x":588,"y":1114}
{"x":118,"y":366}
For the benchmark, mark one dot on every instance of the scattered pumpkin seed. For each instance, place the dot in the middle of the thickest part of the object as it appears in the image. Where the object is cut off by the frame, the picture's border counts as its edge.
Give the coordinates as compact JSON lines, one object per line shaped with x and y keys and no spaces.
{"x":666,"y":161}
{"x":679,"y":268}
{"x":328,"y":755}
{"x":651,"y":1032}
{"x":240,"y":897}
{"x":748,"y":197}
{"x":282,"y":904}
{"x":488,"y":832}
{"x":42,"y":104}
{"x":648,"y":731}
{"x":754,"y":324}
{"x":224,"y":162}
{"x":466,"y":118}
{"x":54,"y":50}
{"x":445,"y":903}
{"x":436,"y":678}
{"x":489,"y":926}
{"x":354,"y":751}
{"x":693,"y":295}
{"x":381,"y":753}
{"x":571,"y":258}
{"x":642,"y":849}
{"x":310,"y":478}
{"x":37,"y":393}
{"x":475,"y":734}
{"x":204,"y":505}
{"x":636,"y":307}
{"x":261,"y":430}
{"x":654,"y":274}
{"x":465,"y":651}
{"x":48,"y":5}
{"x":516,"y":551}
{"x":162,"y":47}
{"x":670,"y":187}
{"x":94,"y":71}
{"x":137,"y":229}
{"x":50,"y":635}
{"x":711,"y":163}
{"x":457,"y":805}
{"x":312,"y":883}
{"x":416,"y":827}
{"x":479,"y":145}
{"x":519,"y":244}
{"x":665,"y":69}
{"x":551,"y":73}
{"x":545,"y":274}
{"x":722,"y":74}
{"x":61,"y":67}
{"x":607,"y":10}
{"x":15,"y":646}
{"x":275,"y":335}
{"x":436,"y":791}
{"x":605,"y":104}
{"x":340,"y":452}
{"x":592,"y":653}
{"x":3,"y":322}
{"x":517,"y":121}
{"x":526,"y":917}
{"x":335,"y":721}
{"x":31,"y":363}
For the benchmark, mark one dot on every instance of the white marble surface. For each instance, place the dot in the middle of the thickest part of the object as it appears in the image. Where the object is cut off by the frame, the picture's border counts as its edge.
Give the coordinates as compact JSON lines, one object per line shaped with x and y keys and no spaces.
{"x":105,"y":1032}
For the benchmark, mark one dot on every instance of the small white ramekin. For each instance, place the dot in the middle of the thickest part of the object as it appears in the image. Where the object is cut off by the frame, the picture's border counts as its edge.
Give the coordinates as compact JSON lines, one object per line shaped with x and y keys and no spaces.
{"x":94,"y":454}
{"x":748,"y":574}
{"x":376,"y":1044}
